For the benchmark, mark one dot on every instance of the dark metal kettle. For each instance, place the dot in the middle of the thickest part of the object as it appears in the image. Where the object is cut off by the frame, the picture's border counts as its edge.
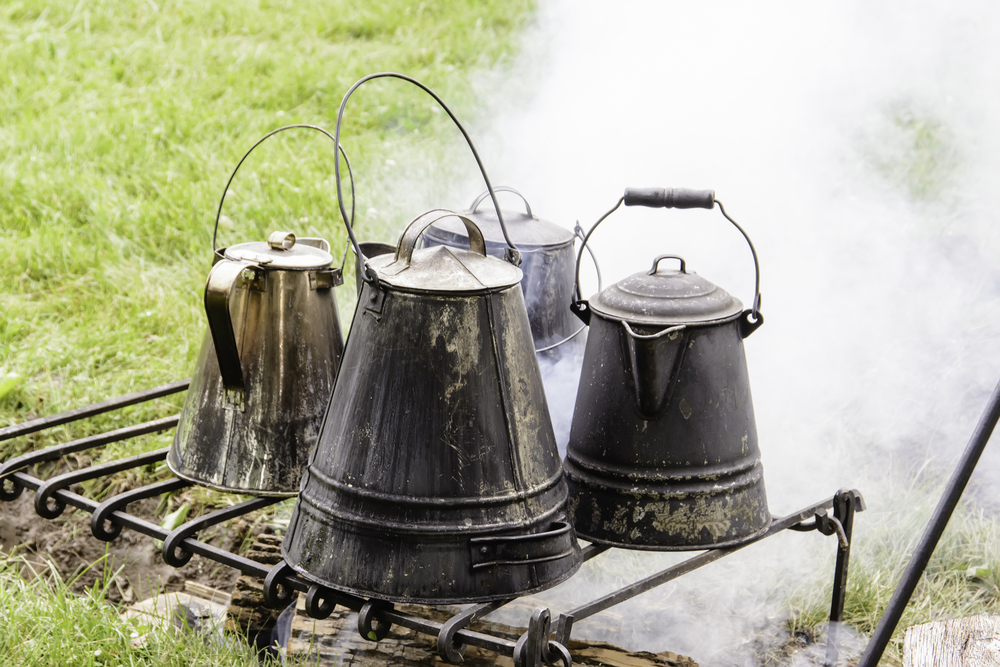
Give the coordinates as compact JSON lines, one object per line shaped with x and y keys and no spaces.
{"x":436,"y":477}
{"x":663,"y":450}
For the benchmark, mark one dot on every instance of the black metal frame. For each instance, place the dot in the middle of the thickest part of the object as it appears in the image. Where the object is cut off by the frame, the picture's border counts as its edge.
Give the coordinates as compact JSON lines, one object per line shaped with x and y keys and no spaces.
{"x":546,"y":638}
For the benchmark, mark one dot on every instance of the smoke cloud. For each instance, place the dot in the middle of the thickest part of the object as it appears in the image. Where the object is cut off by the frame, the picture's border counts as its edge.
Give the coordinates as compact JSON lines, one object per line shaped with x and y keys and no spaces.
{"x":858,"y":146}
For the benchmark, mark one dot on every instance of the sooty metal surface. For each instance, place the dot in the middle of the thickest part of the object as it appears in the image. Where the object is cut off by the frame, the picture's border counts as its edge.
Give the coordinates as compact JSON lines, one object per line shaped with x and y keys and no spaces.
{"x":679,"y":470}
{"x":434,"y":441}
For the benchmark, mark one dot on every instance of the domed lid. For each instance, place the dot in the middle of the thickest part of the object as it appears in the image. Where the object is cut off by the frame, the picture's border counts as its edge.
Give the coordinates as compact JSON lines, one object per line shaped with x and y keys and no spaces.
{"x":282,"y":252}
{"x":666,"y":297}
{"x":526,"y":231}
{"x":443,"y":269}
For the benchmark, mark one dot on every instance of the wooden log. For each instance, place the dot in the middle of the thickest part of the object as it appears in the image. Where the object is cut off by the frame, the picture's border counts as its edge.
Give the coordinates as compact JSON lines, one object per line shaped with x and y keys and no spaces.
{"x":961,"y":642}
{"x":335,"y":641}
{"x":247,"y":613}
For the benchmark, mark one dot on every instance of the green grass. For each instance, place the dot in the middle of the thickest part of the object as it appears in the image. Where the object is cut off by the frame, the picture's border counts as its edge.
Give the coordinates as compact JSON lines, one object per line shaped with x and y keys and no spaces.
{"x":43,"y":623}
{"x":961,"y":579}
{"x":121,"y":122}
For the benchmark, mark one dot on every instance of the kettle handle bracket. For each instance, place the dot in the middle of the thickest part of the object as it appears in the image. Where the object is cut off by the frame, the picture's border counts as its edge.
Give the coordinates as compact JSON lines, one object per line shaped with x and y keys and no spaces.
{"x":222,"y":282}
{"x":750,"y":321}
{"x":582,"y":310}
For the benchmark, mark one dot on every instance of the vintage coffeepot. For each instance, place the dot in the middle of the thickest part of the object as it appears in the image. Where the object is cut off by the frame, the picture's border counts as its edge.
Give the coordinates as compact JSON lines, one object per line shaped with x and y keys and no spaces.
{"x":663,"y":448}
{"x":436,"y":477}
{"x":266,"y":368}
{"x":548,"y":265}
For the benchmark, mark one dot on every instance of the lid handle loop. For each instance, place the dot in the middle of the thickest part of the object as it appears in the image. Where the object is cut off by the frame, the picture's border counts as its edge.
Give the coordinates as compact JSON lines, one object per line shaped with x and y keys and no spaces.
{"x":657,"y":261}
{"x":281,"y":240}
{"x":501,"y":188}
{"x":417,"y":226}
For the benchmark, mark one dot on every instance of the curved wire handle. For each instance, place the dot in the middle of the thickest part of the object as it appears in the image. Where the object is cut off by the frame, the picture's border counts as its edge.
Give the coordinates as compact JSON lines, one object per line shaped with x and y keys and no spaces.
{"x":755,"y":308}
{"x":512,"y":254}
{"x":350,"y":172}
{"x":501,"y":188}
{"x":586,"y":238}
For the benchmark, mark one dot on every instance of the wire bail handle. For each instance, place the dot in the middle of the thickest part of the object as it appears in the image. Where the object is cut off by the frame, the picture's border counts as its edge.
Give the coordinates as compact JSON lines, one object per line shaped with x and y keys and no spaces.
{"x":225,"y":191}
{"x":673,"y":198}
{"x":511,"y":254}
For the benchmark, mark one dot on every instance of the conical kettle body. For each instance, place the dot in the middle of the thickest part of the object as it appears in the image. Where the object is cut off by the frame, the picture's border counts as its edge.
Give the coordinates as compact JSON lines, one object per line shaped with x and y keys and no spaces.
{"x":663,"y":450}
{"x":436,"y":478}
{"x":265,"y":371}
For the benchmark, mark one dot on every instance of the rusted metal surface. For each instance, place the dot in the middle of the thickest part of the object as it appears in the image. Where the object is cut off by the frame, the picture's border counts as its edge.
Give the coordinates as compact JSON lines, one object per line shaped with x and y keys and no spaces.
{"x":249,"y":428}
{"x":437,"y":476}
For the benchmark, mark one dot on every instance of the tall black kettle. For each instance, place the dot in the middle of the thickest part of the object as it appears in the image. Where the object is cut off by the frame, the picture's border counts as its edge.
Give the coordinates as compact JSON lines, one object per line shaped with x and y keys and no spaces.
{"x":663,"y":450}
{"x":436,"y":478}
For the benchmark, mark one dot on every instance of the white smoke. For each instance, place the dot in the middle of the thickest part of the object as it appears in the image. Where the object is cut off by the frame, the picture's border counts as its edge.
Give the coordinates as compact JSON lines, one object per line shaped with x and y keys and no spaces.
{"x":858,"y":146}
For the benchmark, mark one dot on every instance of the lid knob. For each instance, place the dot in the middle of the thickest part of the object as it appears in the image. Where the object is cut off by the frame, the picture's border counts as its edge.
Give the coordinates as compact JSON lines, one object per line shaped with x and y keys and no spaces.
{"x":281,"y":240}
{"x":657,"y":261}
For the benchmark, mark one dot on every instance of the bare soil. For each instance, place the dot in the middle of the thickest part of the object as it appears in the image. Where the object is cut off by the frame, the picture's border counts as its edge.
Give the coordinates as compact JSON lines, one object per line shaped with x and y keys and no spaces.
{"x":67,"y":546}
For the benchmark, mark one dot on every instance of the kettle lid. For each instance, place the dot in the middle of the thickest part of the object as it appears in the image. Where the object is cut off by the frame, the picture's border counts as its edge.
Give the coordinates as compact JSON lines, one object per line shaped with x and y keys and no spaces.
{"x":441,"y":269}
{"x":525,"y":230}
{"x":666,"y":297}
{"x":281,"y":251}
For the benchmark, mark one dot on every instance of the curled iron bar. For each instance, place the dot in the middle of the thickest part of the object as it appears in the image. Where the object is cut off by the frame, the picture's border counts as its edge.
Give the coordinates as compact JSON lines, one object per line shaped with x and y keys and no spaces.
{"x":44,"y":493}
{"x":281,"y":583}
{"x":106,"y":530}
{"x":8,"y":469}
{"x":42,"y":423}
{"x":173,"y":551}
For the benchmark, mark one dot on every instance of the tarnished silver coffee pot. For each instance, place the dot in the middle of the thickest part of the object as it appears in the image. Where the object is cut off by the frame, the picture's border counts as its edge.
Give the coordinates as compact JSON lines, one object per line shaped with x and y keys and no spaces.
{"x":663,"y":450}
{"x":548,"y":266}
{"x":266,"y":368}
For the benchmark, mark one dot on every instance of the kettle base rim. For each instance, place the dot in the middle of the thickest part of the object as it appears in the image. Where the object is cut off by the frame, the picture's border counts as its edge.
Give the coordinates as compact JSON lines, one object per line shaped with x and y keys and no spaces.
{"x":741,"y":541}
{"x":469,"y":599}
{"x":188,"y":477}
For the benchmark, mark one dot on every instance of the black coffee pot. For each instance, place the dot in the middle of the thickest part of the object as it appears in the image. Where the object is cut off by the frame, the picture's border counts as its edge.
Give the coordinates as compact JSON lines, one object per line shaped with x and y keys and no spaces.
{"x":663,"y":450}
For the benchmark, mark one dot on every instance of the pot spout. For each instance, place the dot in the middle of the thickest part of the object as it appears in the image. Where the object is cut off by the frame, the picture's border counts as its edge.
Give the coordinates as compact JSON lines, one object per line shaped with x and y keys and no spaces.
{"x":654,"y":360}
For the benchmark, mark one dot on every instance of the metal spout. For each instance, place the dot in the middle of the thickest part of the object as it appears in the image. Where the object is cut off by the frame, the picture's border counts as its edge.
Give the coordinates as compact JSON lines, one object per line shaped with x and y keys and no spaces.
{"x":654,"y":360}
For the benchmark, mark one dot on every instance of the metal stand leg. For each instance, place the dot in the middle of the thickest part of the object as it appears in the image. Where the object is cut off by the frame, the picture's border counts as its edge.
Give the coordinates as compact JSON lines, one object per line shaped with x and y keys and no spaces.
{"x":845,"y":503}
